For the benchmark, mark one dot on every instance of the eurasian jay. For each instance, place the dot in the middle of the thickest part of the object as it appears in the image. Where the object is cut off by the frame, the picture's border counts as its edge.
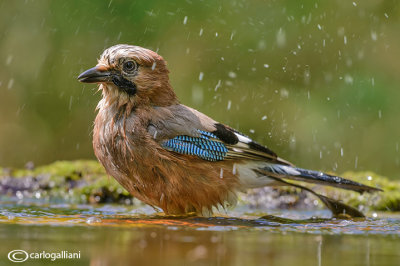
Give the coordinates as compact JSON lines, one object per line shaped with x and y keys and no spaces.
{"x":174,"y":157}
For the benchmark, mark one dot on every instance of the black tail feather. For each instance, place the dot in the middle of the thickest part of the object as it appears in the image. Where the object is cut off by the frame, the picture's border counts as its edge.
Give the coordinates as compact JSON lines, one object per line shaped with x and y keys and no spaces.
{"x":315,"y":177}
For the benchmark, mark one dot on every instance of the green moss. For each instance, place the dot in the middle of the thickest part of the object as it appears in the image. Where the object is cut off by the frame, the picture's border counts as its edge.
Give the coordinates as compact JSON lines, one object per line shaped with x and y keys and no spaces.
{"x":80,"y":181}
{"x":388,"y":200}
{"x":73,"y":169}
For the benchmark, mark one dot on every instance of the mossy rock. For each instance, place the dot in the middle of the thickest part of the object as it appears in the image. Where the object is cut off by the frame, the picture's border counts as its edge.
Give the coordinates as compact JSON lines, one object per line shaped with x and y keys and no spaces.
{"x":85,"y":181}
{"x":82,"y":181}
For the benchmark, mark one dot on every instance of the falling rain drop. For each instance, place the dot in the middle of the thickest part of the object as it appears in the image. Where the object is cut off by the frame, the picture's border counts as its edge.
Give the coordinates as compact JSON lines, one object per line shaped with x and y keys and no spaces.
{"x":71,"y":98}
{"x":229,"y":105}
{"x":10,"y":84}
{"x":201,"y":75}
{"x":232,"y":74}
{"x":218,"y":85}
{"x":9,"y":59}
{"x":281,"y":38}
{"x":374,"y":35}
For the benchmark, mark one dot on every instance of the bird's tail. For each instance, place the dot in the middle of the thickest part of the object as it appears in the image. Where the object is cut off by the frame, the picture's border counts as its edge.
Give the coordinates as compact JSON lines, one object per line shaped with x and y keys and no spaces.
{"x":282,"y":173}
{"x":315,"y":177}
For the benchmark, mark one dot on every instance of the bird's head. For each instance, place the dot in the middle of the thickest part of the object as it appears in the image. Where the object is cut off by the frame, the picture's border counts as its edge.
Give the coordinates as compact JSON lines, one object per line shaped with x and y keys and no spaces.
{"x":131,"y":75}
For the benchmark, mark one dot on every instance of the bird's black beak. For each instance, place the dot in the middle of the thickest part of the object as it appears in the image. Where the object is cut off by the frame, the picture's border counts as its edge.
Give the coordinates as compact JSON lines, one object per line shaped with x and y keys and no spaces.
{"x":96,"y":74}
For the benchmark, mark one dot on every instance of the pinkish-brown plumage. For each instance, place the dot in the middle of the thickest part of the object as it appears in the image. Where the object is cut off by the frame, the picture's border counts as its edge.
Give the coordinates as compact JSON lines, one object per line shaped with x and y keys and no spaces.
{"x":206,"y":164}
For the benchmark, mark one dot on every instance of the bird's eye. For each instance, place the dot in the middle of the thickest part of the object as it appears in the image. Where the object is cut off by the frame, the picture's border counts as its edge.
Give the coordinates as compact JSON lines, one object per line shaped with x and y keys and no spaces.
{"x":129,"y":66}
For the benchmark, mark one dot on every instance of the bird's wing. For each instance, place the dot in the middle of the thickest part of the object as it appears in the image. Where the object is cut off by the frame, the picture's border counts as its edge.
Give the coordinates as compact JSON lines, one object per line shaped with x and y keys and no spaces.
{"x":184,"y":130}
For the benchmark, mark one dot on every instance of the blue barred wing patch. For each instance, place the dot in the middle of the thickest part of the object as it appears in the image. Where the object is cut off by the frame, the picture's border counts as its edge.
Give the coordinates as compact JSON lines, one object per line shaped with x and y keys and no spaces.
{"x":206,"y":146}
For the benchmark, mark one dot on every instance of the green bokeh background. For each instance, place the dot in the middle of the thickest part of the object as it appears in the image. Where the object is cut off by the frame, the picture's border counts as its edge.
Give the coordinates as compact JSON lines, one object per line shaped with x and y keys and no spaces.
{"x":316,"y":81}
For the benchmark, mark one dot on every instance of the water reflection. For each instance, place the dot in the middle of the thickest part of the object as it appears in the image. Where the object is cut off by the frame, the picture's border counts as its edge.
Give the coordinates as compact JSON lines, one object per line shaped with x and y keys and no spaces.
{"x":167,"y":246}
{"x":115,"y":235}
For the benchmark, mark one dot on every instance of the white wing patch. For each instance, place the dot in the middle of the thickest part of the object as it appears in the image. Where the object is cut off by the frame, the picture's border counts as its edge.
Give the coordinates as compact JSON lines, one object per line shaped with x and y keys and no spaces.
{"x":243,"y":138}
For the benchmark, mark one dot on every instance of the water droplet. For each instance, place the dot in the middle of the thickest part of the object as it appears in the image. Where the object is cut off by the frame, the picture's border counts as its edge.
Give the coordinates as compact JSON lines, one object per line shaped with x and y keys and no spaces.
{"x":281,"y":38}
{"x":93,"y":220}
{"x":19,"y":194}
{"x":201,"y":75}
{"x":9,"y":59}
{"x":197,"y":94}
{"x":10,"y":84}
{"x":218,"y":85}
{"x":374,"y":35}
{"x":232,"y":74}
{"x":185,"y":20}
{"x":229,"y":105}
{"x":232,"y":34}
{"x":348,"y":79}
{"x":284,"y":93}
{"x":266,"y":65}
{"x":70,"y":102}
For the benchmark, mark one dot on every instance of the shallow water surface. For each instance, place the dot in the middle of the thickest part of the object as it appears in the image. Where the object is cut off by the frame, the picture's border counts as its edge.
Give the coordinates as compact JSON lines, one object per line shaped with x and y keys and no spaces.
{"x":120,"y":235}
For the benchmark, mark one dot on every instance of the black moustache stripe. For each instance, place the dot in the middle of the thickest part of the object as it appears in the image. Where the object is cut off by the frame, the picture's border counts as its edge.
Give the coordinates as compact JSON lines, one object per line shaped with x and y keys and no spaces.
{"x":124,"y":84}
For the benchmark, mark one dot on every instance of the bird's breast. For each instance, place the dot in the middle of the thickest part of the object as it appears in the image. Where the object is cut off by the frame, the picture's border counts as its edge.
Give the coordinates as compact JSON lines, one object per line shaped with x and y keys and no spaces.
{"x":177,"y":184}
